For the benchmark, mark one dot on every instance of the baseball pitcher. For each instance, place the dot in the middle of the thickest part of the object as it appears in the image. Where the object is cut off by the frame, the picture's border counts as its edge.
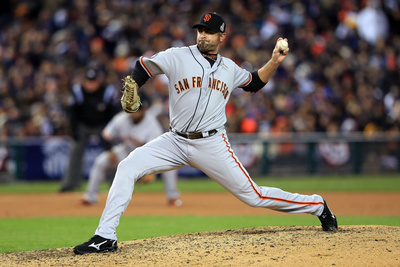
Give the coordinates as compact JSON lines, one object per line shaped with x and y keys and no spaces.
{"x":200,"y":84}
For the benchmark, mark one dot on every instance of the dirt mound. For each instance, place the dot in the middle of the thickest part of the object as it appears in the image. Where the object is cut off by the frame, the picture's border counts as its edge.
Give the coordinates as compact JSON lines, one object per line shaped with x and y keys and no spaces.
{"x":261,"y":246}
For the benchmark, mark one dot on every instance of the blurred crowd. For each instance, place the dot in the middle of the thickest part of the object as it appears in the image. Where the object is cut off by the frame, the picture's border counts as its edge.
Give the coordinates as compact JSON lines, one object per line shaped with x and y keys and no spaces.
{"x":342,"y":68}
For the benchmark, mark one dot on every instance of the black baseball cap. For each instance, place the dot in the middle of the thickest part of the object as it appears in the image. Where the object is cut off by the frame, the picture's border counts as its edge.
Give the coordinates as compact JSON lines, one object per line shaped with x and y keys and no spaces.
{"x":212,"y":21}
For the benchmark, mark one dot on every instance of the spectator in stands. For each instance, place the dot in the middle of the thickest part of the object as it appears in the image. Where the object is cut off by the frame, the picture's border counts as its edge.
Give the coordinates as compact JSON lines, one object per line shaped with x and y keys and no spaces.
{"x":42,"y":43}
{"x":372,"y":22}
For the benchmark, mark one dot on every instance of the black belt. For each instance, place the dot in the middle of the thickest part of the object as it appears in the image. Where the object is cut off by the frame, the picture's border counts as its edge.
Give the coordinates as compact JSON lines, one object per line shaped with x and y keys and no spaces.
{"x":197,"y":135}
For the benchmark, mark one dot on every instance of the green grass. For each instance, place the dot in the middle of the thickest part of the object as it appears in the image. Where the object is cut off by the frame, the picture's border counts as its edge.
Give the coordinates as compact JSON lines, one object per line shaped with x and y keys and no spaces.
{"x":365,"y":183}
{"x":318,"y":183}
{"x":46,"y":233}
{"x":26,"y":234}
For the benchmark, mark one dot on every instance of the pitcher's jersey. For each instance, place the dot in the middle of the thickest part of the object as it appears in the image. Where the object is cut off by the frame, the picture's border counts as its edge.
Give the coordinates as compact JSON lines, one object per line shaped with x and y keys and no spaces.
{"x":121,"y":127}
{"x":198,"y":92}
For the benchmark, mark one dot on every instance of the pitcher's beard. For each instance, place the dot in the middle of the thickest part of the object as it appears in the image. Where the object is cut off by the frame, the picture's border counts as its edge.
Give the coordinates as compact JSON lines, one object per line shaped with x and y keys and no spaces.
{"x":204,"y":47}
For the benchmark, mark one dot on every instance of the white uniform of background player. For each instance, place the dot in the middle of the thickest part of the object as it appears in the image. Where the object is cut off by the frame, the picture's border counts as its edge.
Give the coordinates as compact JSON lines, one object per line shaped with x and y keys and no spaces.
{"x":131,"y":131}
{"x":199,"y":87}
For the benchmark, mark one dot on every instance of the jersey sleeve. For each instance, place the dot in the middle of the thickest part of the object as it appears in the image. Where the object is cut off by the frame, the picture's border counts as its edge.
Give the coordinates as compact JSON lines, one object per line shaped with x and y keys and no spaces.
{"x":242,"y":77}
{"x":157,"y":64}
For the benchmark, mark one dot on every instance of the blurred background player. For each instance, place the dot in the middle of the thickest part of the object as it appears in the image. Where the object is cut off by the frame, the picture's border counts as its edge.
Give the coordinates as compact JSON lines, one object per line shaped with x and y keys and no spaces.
{"x":92,"y":105}
{"x":129,"y":131}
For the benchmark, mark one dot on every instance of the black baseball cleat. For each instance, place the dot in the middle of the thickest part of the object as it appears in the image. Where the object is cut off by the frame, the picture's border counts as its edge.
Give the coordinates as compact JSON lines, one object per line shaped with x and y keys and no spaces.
{"x":328,"y":220}
{"x":95,"y":245}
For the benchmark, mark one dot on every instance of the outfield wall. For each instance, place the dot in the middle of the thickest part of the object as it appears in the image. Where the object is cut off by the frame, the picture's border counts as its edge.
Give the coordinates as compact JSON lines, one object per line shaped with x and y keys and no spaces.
{"x":262,"y":154}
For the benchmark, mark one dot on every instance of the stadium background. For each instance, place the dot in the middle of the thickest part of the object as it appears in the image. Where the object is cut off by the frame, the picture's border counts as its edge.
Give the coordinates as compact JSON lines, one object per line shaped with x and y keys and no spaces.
{"x":339,"y":83}
{"x":341,"y":76}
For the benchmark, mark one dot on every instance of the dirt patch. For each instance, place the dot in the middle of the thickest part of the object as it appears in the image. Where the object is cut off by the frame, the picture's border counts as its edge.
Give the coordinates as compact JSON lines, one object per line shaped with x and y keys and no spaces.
{"x":262,"y":246}
{"x":67,"y":204}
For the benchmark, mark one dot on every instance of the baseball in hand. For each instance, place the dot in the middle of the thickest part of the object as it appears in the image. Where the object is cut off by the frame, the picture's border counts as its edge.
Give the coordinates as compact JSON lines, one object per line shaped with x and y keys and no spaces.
{"x":283,"y":45}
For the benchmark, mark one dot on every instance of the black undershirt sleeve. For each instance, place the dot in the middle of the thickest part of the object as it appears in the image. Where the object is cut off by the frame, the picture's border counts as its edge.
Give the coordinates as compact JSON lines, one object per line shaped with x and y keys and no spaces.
{"x":255,"y":84}
{"x":139,"y":74}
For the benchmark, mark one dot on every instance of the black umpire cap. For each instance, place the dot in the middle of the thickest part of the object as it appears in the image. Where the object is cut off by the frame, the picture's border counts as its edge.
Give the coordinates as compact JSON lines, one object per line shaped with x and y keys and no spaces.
{"x":92,"y":74}
{"x":212,"y":21}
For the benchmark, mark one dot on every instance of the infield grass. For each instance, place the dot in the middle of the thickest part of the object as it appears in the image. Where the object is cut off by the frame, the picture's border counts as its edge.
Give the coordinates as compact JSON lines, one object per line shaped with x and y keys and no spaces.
{"x":45,"y":233}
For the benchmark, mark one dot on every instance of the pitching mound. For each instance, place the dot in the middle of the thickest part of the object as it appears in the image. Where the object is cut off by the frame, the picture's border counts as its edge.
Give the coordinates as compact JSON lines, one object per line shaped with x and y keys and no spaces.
{"x":261,"y":246}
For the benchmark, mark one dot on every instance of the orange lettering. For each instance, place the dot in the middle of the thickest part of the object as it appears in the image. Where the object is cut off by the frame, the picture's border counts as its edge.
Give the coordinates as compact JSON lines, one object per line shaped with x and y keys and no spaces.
{"x":218,"y":85}
{"x":214,"y":83}
{"x":226,"y":94}
{"x":181,"y":88}
{"x":186,"y":83}
{"x":176,"y":88}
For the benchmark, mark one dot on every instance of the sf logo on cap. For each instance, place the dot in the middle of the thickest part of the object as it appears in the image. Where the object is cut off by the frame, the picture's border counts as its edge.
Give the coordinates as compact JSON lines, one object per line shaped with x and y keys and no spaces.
{"x":207,"y":17}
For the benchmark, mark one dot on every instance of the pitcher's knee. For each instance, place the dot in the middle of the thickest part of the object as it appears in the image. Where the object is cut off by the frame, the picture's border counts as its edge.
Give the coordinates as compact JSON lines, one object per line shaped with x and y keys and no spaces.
{"x":131,"y":170}
{"x":252,"y":202}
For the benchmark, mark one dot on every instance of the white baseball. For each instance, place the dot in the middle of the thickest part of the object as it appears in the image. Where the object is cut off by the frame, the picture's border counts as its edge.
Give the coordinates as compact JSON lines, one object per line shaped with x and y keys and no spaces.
{"x":283,"y":45}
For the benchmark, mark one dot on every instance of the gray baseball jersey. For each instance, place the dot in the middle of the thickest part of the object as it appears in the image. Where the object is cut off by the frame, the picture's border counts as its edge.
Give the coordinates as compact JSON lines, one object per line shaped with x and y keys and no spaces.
{"x":122,"y":128}
{"x":198,"y":93}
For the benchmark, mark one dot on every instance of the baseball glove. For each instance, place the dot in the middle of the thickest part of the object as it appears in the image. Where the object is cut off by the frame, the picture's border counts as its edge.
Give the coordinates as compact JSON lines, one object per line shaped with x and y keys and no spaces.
{"x":130,"y":99}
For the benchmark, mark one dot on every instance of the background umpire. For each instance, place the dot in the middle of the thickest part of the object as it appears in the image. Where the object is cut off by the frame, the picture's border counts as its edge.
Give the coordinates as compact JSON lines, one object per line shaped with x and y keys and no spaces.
{"x":92,"y":104}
